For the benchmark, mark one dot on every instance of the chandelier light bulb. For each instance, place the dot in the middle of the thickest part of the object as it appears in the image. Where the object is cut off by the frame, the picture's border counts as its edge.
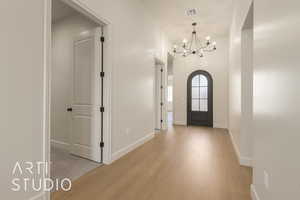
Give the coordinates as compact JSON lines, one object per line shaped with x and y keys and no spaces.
{"x":214,"y":43}
{"x":184,"y":41}
{"x":175,"y":46}
{"x":208,"y":38}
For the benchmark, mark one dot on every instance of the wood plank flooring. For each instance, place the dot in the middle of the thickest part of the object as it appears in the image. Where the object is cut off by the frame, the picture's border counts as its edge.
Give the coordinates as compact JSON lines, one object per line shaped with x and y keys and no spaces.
{"x":185,"y":163}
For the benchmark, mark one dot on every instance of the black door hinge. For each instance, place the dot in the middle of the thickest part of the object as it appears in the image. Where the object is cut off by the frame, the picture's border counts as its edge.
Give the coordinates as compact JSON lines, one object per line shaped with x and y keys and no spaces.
{"x":161,"y":103}
{"x":101,"y":109}
{"x":161,"y":70}
{"x":161,"y":121}
{"x":102,"y":39}
{"x":161,"y":87}
{"x":102,"y":74}
{"x":101,"y":144}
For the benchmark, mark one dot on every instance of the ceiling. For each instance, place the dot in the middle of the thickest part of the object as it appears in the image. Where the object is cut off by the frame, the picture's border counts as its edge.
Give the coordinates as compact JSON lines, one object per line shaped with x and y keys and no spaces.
{"x":213,"y":17}
{"x":60,"y":10}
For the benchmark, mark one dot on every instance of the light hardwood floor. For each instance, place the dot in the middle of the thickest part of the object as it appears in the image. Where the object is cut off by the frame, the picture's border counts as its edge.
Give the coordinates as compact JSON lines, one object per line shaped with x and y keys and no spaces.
{"x":185,"y":163}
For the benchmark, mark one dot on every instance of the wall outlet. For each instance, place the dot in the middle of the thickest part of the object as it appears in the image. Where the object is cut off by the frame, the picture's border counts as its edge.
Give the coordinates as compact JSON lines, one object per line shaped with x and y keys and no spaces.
{"x":266,"y":180}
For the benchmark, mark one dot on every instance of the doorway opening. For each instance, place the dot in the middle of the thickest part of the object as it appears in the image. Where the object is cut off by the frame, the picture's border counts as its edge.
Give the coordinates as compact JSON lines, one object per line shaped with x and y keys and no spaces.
{"x":246,"y":136}
{"x":79,"y":78}
{"x":200,"y":99}
{"x":170,"y":82}
{"x":159,"y":95}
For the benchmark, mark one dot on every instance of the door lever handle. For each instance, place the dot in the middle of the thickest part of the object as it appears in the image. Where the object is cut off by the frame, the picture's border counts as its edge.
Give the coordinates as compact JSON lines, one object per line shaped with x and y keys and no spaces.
{"x":69,"y":109}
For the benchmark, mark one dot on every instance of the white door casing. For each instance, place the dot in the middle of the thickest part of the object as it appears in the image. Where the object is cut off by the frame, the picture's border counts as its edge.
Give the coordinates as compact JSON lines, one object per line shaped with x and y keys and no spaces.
{"x":85,"y":132}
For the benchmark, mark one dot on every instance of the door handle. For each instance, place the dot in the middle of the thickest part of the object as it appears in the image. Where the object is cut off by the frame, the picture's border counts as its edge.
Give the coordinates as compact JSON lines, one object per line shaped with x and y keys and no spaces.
{"x":69,"y":109}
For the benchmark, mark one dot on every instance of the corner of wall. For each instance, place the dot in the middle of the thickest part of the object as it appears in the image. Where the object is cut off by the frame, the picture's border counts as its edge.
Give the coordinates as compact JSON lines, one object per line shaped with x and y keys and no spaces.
{"x":244,"y":161}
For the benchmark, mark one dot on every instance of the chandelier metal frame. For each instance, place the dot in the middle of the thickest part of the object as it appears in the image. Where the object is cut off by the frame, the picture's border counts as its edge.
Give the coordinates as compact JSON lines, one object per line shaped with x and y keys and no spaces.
{"x":195,"y":46}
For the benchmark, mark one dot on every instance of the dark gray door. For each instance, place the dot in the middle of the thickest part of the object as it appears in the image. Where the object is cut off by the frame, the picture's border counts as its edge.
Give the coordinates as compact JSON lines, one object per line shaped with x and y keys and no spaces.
{"x":200,"y":99}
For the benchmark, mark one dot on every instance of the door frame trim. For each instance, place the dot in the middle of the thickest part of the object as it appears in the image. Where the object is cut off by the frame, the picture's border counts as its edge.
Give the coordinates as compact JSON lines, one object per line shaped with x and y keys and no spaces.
{"x":108,"y":63}
{"x":188,"y":97}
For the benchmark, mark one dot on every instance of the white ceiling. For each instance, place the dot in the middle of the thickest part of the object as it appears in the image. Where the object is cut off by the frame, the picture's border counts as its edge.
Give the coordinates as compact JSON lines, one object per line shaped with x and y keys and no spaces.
{"x":213,"y":17}
{"x":60,"y":10}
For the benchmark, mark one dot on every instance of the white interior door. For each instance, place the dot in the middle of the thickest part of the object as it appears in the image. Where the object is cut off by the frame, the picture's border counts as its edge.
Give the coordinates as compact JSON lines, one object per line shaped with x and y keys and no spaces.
{"x":86,"y":122}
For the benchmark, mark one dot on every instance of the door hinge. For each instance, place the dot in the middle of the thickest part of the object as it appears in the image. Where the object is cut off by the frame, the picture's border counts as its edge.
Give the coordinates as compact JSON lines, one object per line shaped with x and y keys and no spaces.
{"x":102,"y":39}
{"x":161,"y":70}
{"x":101,"y":144}
{"x":102,"y":74}
{"x":161,"y":103}
{"x":101,"y":109}
{"x":161,"y":87}
{"x":161,"y":121}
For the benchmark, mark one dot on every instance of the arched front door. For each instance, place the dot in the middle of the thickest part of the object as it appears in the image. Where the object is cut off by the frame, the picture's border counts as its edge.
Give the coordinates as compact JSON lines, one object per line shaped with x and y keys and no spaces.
{"x":200,"y":99}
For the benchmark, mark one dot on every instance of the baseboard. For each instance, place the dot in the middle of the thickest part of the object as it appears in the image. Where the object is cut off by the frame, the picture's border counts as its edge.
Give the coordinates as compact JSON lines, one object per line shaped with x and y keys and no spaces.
{"x":220,"y":125}
{"x":126,"y":150}
{"x":59,"y":144}
{"x":40,"y":196}
{"x":244,"y":161}
{"x":254,"y":194}
{"x":180,"y":123}
{"x":236,"y":149}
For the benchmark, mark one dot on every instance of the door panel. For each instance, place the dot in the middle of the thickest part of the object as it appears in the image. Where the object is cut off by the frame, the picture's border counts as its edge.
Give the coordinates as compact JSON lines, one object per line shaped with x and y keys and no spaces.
{"x":86,"y":118}
{"x":200,"y":99}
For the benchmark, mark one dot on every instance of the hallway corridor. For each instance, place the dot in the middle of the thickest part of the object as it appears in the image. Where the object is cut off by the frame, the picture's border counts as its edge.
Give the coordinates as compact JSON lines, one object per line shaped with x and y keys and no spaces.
{"x":190,"y":163}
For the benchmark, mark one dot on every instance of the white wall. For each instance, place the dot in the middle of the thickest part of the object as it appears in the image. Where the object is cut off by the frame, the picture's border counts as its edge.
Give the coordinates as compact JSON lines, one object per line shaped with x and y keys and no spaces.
{"x":21,"y":85}
{"x":242,"y":142}
{"x":136,"y":40}
{"x":216,"y":63}
{"x":276,"y":99}
{"x":64,"y":33}
{"x":276,"y":95}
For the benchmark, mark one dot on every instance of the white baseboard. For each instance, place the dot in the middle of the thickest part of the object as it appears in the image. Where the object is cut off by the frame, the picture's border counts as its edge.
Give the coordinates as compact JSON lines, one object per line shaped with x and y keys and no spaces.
{"x":59,"y":144}
{"x":236,"y":149}
{"x":254,"y":194}
{"x":180,"y":123}
{"x":244,"y":161}
{"x":40,"y":196}
{"x":124,"y":151}
{"x":220,"y":125}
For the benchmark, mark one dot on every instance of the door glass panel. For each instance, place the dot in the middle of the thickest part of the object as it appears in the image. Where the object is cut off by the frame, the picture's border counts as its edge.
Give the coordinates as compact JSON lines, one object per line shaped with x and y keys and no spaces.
{"x":195,"y":93}
{"x":203,"y":92}
{"x":196,"y":81}
{"x":203,"y":81}
{"x":203,"y":105}
{"x":195,"y":105}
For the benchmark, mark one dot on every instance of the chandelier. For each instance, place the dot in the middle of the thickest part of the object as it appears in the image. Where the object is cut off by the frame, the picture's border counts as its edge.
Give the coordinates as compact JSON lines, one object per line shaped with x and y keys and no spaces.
{"x":195,"y":46}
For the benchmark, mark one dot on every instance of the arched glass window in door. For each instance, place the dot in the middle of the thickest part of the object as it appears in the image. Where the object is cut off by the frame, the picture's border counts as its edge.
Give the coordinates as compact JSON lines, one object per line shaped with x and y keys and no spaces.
{"x":199,"y":93}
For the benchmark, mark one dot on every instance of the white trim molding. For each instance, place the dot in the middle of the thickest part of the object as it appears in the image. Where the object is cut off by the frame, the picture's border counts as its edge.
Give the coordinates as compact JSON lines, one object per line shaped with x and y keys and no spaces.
{"x":246,"y":161}
{"x":117,"y":155}
{"x":180,"y":123}
{"x":254,"y":194}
